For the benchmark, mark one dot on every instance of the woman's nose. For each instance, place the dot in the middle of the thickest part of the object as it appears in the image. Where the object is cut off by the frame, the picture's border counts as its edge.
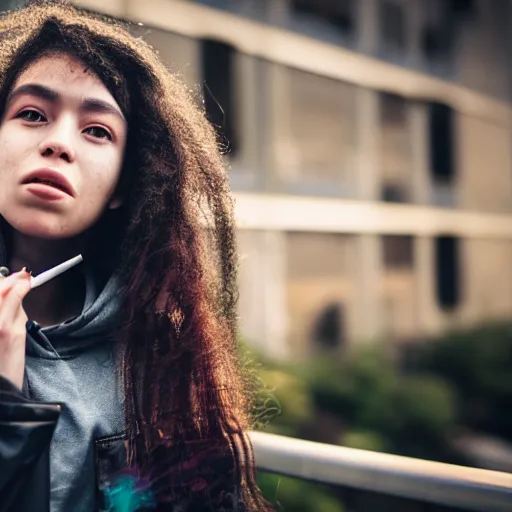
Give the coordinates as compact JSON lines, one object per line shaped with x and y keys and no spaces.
{"x":58,"y":145}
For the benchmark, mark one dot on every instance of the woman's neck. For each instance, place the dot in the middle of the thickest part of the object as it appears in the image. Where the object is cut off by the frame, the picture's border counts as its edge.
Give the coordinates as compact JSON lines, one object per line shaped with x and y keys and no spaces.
{"x":61,"y":298}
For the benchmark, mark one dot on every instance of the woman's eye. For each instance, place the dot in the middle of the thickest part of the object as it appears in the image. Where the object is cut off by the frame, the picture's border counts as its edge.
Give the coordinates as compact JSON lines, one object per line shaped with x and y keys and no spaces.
{"x":99,"y":132}
{"x":32,"y":116}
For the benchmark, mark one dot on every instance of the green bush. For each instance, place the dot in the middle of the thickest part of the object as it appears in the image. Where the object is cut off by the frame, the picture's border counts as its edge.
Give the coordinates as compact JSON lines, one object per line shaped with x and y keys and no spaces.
{"x":424,"y":413}
{"x":358,"y":389}
{"x":365,"y":440}
{"x":365,"y":403}
{"x":478,"y":364}
{"x":292,"y":399}
{"x":294,"y":495}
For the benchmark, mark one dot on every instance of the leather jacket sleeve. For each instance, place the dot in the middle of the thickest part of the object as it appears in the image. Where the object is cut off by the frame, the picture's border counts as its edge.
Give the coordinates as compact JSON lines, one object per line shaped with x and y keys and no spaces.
{"x":26,"y":429}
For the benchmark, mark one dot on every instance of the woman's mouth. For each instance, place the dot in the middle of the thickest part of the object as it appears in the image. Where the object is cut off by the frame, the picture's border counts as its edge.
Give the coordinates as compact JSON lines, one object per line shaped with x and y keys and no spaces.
{"x":49,"y":184}
{"x":46,"y":192}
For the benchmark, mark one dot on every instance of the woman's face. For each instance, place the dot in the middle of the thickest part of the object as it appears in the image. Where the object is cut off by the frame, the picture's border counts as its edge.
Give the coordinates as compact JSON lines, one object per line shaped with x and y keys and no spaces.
{"x":62,"y":139}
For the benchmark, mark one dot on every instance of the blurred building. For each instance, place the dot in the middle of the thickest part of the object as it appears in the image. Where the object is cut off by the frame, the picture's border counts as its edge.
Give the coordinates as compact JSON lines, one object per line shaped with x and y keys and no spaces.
{"x":370,"y":147}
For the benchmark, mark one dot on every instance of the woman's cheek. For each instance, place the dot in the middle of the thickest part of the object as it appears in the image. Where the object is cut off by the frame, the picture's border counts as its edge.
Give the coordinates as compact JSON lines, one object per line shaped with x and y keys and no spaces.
{"x":101,"y":185}
{"x":11,"y":151}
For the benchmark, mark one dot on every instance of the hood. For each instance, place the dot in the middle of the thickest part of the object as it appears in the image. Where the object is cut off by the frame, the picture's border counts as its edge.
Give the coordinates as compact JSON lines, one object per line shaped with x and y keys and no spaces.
{"x":96,"y":323}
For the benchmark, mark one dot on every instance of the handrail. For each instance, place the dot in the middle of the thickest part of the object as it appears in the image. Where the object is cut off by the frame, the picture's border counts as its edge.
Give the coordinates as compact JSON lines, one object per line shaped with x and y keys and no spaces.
{"x":421,"y":480}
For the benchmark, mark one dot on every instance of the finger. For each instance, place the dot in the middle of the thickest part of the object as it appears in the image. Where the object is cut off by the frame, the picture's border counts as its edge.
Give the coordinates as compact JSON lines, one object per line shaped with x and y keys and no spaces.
{"x":21,"y":317}
{"x":7,"y":283}
{"x":11,"y":310}
{"x":22,"y":286}
{"x":11,"y":300}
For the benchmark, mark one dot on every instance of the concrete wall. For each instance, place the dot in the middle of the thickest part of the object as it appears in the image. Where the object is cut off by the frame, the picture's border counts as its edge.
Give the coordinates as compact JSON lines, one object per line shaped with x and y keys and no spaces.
{"x":484,"y":165}
{"x":400,"y":307}
{"x":178,"y":52}
{"x":264,"y":314}
{"x":318,"y":278}
{"x":483,"y":53}
{"x":487,"y":284}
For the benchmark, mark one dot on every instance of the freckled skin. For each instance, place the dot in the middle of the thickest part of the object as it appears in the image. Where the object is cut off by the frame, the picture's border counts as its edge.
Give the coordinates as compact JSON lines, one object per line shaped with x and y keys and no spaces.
{"x":86,"y":147}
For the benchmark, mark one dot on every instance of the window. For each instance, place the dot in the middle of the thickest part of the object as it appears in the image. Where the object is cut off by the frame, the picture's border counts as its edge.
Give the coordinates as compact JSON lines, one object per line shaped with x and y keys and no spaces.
{"x":395,"y":148}
{"x":397,"y":251}
{"x":441,"y":142}
{"x":442,"y":20}
{"x":392,"y":25}
{"x":441,"y":153}
{"x":447,"y":272}
{"x":436,"y":43}
{"x":437,"y":34}
{"x":219,"y":90}
{"x":329,"y":327}
{"x":337,"y":13}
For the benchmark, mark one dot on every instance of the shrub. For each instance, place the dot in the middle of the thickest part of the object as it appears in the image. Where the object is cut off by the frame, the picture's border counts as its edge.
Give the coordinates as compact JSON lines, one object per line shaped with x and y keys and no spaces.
{"x":477,"y":363}
{"x":294,"y":495}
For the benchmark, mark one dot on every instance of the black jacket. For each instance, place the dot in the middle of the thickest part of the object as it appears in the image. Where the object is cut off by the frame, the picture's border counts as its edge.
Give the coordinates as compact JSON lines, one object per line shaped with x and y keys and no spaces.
{"x":26,"y":429}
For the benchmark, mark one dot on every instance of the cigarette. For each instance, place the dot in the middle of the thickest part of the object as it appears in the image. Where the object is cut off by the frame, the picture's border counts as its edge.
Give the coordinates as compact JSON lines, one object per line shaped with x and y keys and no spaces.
{"x":46,"y":276}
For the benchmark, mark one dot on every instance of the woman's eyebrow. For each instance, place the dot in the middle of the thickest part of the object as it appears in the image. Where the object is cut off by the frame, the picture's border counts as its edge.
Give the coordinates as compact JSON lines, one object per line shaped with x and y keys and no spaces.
{"x":40,"y":91}
{"x":47,"y":94}
{"x":102,"y":107}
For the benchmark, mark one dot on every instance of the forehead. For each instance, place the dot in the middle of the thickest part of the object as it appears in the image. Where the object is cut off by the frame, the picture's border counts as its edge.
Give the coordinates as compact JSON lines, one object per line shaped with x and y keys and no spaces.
{"x":66,"y":75}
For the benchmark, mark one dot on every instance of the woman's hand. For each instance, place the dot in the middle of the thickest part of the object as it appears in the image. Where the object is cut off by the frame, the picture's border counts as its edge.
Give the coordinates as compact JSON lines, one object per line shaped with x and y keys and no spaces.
{"x":13,"y":322}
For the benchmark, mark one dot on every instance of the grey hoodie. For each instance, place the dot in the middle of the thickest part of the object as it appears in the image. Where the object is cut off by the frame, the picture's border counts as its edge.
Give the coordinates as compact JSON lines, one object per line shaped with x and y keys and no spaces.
{"x":73,"y":364}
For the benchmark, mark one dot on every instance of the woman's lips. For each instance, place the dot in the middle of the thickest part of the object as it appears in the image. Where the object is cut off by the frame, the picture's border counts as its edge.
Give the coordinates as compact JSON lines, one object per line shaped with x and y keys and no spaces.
{"x":49,"y":180}
{"x":46,"y":192}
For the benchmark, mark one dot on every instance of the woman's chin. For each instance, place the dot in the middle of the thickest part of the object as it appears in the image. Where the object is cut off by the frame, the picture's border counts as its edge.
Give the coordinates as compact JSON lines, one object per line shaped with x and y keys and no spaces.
{"x":41,"y":227}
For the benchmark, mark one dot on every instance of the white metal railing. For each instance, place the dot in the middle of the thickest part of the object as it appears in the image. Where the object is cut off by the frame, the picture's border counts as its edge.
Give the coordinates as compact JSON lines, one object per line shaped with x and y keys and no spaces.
{"x":420,"y":480}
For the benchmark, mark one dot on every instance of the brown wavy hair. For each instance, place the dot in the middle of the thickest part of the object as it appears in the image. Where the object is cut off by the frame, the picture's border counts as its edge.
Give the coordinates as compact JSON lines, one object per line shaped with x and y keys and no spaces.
{"x":187,"y":396}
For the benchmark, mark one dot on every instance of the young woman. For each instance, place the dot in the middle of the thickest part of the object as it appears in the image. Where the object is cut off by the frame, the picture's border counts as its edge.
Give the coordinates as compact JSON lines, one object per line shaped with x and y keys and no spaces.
{"x":120,"y":387}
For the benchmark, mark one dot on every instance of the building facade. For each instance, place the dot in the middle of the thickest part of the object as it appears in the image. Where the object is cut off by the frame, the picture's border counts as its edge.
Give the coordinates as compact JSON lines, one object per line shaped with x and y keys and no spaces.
{"x":370,"y":152}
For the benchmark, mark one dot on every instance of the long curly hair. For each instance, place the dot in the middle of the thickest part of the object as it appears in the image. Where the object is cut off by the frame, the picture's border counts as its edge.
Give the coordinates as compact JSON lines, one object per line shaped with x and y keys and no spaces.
{"x":186,"y":392}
